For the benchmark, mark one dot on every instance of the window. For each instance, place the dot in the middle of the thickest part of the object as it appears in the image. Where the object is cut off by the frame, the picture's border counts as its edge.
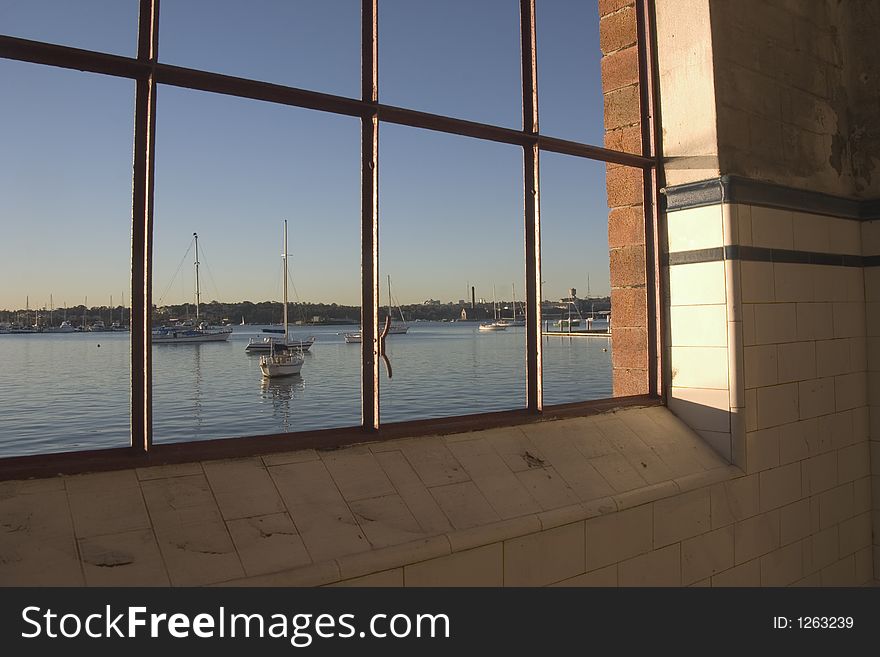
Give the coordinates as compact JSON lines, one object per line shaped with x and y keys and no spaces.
{"x":205,"y":116}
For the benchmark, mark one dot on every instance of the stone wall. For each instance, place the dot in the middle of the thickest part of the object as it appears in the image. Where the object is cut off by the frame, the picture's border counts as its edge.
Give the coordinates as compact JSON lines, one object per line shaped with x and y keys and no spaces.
{"x":797,"y":92}
{"x":625,"y":194}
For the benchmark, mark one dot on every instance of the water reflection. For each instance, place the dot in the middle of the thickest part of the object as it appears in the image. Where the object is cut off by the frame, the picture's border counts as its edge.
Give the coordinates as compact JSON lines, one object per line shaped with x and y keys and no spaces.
{"x":280,"y":392}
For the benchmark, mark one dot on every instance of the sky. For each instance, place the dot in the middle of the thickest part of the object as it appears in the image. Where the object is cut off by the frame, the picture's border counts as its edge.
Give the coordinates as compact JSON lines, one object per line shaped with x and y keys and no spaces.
{"x":232,"y":170}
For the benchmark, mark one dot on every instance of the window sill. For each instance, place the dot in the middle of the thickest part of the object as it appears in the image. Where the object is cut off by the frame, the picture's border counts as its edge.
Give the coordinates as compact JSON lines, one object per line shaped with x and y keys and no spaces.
{"x":316,"y":518}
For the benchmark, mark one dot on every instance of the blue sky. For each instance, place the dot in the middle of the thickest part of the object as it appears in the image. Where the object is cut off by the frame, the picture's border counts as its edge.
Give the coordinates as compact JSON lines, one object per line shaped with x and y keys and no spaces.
{"x":232,"y":169}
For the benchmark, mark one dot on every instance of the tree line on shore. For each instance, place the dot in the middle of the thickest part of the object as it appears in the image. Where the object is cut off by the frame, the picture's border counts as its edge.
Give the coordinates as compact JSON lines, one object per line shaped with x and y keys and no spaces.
{"x":270,"y":312}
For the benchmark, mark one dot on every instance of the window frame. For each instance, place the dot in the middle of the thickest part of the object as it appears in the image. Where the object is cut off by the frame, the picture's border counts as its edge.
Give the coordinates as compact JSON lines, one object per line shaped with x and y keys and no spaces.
{"x":148,"y":73}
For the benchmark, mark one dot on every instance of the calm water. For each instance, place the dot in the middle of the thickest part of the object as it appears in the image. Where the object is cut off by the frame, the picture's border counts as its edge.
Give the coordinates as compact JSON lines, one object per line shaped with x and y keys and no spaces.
{"x":66,"y":392}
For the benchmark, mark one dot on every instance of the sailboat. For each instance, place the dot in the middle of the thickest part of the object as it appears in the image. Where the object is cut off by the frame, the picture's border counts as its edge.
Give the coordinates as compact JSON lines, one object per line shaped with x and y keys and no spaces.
{"x":398,"y":329}
{"x":282,"y":359}
{"x":514,"y":320}
{"x":264,"y":344}
{"x":187,"y":331}
{"x":495,"y":324}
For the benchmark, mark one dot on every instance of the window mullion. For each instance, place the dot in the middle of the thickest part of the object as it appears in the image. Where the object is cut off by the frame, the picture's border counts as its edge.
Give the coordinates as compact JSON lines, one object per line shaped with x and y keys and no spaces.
{"x":531,"y":182}
{"x":142,"y":230}
{"x":369,"y":218}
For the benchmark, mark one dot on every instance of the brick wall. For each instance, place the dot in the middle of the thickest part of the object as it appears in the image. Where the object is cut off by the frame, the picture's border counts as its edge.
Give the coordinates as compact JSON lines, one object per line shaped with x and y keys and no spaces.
{"x":625,"y":193}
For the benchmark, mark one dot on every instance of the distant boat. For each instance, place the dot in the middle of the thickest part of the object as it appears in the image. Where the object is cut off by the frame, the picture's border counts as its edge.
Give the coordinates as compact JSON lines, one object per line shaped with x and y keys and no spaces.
{"x":282,"y":359}
{"x":496,"y":324}
{"x":65,"y":327}
{"x":514,"y":320}
{"x":97,"y":326}
{"x":259,"y":345}
{"x":242,"y":320}
{"x":187,"y":331}
{"x":355,"y":337}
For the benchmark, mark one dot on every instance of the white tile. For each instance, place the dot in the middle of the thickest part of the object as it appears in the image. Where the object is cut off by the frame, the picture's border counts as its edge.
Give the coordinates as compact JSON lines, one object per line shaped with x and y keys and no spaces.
{"x":844,"y":236}
{"x":757,"y":282}
{"x":779,"y":405}
{"x":775,"y":322}
{"x":811,"y":232}
{"x":815,"y":321}
{"x":700,"y":367}
{"x":762,"y":449}
{"x":697,"y":284}
{"x":796,"y":361}
{"x":832,"y":357}
{"x":870,"y":238}
{"x":793,"y":282}
{"x":701,"y":408}
{"x":816,"y":397}
{"x":694,"y":228}
{"x":850,"y":391}
{"x":772,"y":228}
{"x":760,"y":366}
{"x":698,"y":326}
{"x":849,"y":319}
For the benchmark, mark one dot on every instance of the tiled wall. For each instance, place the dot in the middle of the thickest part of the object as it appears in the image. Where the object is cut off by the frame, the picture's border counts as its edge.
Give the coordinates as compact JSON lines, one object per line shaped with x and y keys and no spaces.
{"x":703,"y":328}
{"x":870,"y":248}
{"x":769,"y":364}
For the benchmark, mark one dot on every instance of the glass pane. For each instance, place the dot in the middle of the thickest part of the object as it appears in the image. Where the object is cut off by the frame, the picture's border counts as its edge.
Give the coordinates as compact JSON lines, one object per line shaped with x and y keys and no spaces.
{"x":232,"y":171}
{"x":104,"y":25}
{"x":312,"y":44}
{"x":458,"y":58}
{"x":569,"y":80}
{"x":575,"y":288}
{"x":451,"y":241}
{"x":65,"y":208}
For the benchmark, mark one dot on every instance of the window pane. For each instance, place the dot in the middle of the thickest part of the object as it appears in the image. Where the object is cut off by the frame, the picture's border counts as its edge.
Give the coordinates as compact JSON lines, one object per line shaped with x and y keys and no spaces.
{"x":104,"y":25}
{"x":569,"y":81}
{"x":232,"y":170}
{"x":312,"y":44}
{"x":458,"y":58}
{"x":451,"y":222}
{"x":65,"y":208}
{"x":575,"y":287}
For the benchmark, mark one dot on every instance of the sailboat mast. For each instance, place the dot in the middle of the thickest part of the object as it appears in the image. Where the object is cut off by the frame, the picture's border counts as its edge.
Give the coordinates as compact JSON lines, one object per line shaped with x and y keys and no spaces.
{"x":284,"y":257}
{"x":198,"y":291}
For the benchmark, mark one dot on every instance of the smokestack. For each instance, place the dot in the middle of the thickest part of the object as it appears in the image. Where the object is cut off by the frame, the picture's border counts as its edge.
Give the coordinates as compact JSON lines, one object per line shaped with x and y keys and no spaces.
{"x":473,"y":298}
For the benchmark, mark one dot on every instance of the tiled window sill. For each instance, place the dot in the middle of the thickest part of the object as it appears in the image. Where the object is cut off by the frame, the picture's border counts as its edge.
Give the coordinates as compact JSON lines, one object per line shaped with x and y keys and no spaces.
{"x":316,"y":518}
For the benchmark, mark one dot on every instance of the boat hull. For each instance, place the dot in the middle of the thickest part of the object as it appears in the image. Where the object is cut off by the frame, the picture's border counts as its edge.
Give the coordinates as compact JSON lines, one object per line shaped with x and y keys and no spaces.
{"x":286,"y":365}
{"x":355,"y":337}
{"x":185,"y":336}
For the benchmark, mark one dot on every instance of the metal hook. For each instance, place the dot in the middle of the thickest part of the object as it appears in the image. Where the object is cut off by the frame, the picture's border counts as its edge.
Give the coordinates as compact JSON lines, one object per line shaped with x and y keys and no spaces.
{"x":382,"y":337}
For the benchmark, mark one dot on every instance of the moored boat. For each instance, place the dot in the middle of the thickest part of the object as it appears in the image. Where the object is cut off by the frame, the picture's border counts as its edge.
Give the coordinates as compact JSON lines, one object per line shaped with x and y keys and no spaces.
{"x":283,"y":359}
{"x":187,"y":332}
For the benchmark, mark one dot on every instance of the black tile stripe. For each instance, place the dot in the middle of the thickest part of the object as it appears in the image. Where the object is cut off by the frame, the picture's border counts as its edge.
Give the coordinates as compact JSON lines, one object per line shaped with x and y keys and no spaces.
{"x":762,"y":254}
{"x":734,"y":189}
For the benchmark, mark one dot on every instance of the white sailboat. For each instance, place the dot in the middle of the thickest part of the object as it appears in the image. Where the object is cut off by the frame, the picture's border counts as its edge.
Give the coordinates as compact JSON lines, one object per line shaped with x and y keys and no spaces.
{"x":355,"y":337}
{"x":494,"y":325}
{"x":282,"y":360}
{"x":186,"y":332}
{"x":514,"y":320}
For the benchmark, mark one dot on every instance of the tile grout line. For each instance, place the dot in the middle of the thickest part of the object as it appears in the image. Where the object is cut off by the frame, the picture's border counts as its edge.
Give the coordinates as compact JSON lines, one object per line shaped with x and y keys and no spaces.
{"x":82,"y":568}
{"x":225,"y":526}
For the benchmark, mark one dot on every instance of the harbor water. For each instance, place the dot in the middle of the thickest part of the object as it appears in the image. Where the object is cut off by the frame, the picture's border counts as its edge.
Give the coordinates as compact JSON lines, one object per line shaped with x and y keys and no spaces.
{"x":66,"y":392}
